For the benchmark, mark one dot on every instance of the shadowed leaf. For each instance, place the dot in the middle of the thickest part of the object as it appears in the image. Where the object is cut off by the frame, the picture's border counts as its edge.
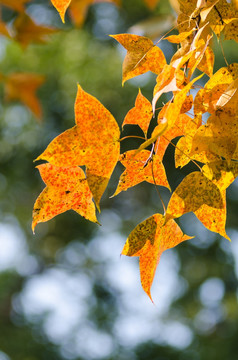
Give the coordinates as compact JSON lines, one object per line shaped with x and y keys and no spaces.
{"x":148,"y":240}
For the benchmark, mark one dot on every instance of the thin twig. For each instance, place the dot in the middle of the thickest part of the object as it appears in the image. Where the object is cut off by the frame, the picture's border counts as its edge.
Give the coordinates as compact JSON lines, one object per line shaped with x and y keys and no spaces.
{"x":156,"y":188}
{"x":132,"y":136}
{"x":183,"y":153}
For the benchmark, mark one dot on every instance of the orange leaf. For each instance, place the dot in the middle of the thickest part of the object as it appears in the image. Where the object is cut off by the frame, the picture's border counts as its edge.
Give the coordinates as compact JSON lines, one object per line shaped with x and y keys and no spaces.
{"x":148,"y":240}
{"x":141,"y":114}
{"x":23,"y":87}
{"x":26,"y":31}
{"x":93,"y":142}
{"x":15,"y":5}
{"x":142,"y":56}
{"x":66,"y":188}
{"x":139,"y":169}
{"x":173,"y":132}
{"x":200,"y":195}
{"x":61,"y":6}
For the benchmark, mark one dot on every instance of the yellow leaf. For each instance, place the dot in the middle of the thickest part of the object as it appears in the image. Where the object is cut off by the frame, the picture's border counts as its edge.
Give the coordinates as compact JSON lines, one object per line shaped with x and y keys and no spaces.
{"x":66,"y":188}
{"x":141,"y":114}
{"x":93,"y":142}
{"x":207,"y":98}
{"x":200,"y":195}
{"x":176,"y":39}
{"x":177,"y":130}
{"x":148,"y":241}
{"x":142,"y":56}
{"x":221,"y":172}
{"x":139,"y":168}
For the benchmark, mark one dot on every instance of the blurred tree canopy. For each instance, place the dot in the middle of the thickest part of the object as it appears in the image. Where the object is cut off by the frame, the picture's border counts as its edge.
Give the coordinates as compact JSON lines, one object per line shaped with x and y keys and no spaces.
{"x":64,"y":292}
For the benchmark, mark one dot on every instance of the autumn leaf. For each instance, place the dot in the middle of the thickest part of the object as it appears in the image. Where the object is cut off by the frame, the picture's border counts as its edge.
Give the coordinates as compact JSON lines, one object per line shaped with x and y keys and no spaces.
{"x":148,"y":241}
{"x":174,"y":108}
{"x":142,"y":56}
{"x":219,"y":135}
{"x":93,"y":142}
{"x":140,"y":168}
{"x":200,"y":195}
{"x":66,"y":188}
{"x":183,"y":147}
{"x":141,"y":114}
{"x":177,"y":130}
{"x":176,"y":39}
{"x":26,"y":31}
{"x":23,"y":87}
{"x":61,"y":6}
{"x":15,"y":5}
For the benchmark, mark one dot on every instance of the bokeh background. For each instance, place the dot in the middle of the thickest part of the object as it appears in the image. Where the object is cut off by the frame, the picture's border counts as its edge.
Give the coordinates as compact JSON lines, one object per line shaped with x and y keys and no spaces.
{"x":65,"y":292}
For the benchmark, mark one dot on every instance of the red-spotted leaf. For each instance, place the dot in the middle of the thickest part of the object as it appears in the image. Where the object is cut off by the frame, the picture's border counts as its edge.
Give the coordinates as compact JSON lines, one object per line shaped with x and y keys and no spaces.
{"x":66,"y":188}
{"x":93,"y":142}
{"x":140,"y":114}
{"x":139,"y":167}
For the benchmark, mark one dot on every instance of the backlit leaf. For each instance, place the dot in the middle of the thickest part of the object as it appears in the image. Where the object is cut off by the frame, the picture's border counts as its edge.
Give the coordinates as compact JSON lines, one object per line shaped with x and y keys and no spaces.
{"x":148,"y":240}
{"x":141,"y":114}
{"x":93,"y":142}
{"x":200,"y":195}
{"x":142,"y":56}
{"x":139,"y":167}
{"x":66,"y":188}
{"x":61,"y":6}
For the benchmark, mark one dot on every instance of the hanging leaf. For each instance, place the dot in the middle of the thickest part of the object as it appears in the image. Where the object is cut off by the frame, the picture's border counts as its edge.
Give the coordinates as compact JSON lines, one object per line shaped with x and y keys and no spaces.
{"x":139,"y":167}
{"x":148,"y":240}
{"x":142,"y":56}
{"x":141,"y":114}
{"x":66,"y":188}
{"x":93,"y":142}
{"x":61,"y":6}
{"x":200,"y":195}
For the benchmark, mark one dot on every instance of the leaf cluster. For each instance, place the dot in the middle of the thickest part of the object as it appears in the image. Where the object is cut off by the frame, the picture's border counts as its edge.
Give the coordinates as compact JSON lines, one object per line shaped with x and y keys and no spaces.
{"x":94,"y":141}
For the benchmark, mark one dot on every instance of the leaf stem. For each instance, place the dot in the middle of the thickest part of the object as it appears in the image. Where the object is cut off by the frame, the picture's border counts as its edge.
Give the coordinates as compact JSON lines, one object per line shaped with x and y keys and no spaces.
{"x":183,"y":153}
{"x":156,"y":187}
{"x":132,"y":136}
